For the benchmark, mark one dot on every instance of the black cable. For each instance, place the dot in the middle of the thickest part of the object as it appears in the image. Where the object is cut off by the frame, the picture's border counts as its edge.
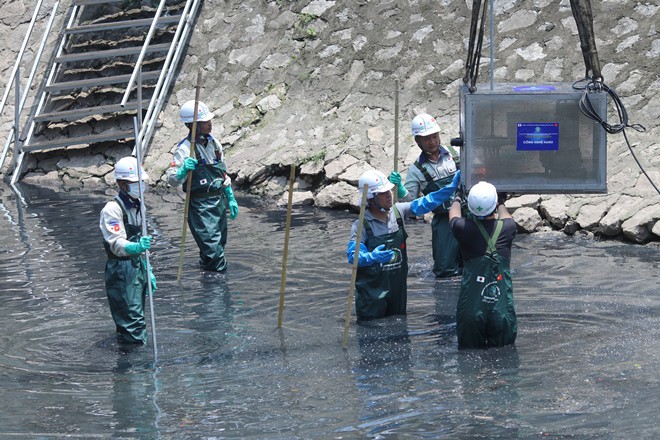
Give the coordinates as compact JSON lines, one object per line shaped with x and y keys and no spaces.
{"x":475,"y":43}
{"x":587,"y":109}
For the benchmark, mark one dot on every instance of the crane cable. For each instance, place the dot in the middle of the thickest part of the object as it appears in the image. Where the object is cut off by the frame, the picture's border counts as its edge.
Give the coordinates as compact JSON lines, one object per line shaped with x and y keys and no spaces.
{"x":476,"y":43}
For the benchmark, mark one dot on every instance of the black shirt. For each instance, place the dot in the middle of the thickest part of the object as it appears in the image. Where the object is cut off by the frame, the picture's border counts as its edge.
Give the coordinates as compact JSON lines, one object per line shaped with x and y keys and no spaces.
{"x":473,"y":243}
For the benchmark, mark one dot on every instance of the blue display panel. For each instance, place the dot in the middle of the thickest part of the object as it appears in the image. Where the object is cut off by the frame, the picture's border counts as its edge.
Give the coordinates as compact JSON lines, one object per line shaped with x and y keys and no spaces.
{"x":529,"y":88}
{"x":537,"y":136}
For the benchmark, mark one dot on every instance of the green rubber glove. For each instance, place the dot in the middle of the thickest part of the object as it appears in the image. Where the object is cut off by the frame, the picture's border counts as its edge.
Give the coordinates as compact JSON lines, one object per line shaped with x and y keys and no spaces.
{"x":139,"y":247}
{"x":189,"y":164}
{"x":233,"y":205}
{"x":401,"y":190}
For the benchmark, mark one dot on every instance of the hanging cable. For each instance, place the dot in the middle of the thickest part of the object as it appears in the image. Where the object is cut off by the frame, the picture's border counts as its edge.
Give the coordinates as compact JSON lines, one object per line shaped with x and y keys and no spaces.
{"x":587,"y":109}
{"x":475,"y":43}
{"x":594,"y":81}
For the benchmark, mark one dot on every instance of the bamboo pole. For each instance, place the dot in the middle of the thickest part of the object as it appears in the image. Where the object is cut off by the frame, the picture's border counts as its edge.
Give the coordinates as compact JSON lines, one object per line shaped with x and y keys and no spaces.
{"x":193,"y":137}
{"x":351,"y":289}
{"x":395,"y":167}
{"x":292,"y":177}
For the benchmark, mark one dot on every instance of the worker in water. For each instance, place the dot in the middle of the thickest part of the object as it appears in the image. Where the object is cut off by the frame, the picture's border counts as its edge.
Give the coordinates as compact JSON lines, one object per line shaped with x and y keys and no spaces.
{"x":381,"y":283}
{"x":436,"y":167}
{"x":485,"y":314}
{"x":126,"y":274}
{"x":211,"y":194}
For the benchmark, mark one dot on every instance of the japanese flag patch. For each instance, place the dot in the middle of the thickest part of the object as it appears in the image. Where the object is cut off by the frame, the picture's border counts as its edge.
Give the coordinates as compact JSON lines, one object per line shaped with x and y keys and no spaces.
{"x":114,"y":225}
{"x":203,"y":182}
{"x":481,"y":279}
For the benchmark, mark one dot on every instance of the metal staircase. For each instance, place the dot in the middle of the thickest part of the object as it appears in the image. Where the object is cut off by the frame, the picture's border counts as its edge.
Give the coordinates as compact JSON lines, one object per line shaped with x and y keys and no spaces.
{"x":114,"y":59}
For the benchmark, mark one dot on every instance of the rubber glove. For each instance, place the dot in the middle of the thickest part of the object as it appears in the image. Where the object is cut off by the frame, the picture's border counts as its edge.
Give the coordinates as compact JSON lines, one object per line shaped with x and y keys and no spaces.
{"x":233,"y":205}
{"x":432,"y":200}
{"x":401,"y":190}
{"x":382,"y":255}
{"x":139,"y":247}
{"x":189,"y":164}
{"x":152,"y":277}
{"x":501,"y":198}
{"x":366,"y":258}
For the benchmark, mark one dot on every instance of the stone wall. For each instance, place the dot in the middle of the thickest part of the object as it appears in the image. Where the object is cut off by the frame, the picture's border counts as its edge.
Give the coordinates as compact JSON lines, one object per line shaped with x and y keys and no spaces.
{"x":311,"y":83}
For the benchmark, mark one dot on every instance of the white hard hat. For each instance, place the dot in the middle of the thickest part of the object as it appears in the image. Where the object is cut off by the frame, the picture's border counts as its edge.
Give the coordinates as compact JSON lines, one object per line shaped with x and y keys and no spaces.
{"x":377,"y":182}
{"x":126,"y":169}
{"x":482,"y":199}
{"x":187,"y":112}
{"x":424,"y":125}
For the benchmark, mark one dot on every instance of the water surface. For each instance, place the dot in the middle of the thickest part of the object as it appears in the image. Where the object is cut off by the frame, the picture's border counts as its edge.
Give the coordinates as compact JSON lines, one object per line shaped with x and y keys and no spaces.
{"x":585,"y":364}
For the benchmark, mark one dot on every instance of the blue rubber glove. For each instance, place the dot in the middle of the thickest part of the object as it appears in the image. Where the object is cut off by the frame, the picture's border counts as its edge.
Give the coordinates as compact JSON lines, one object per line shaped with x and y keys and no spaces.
{"x":366,"y":258}
{"x":233,"y":205}
{"x":139,"y":247}
{"x":401,"y":190}
{"x":432,"y":200}
{"x":152,"y":277}
{"x":382,"y":255}
{"x":189,"y":164}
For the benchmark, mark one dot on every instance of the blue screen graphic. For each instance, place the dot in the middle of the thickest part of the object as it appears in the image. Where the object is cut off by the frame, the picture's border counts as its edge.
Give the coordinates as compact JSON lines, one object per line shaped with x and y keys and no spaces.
{"x":531,"y":88}
{"x":537,"y":136}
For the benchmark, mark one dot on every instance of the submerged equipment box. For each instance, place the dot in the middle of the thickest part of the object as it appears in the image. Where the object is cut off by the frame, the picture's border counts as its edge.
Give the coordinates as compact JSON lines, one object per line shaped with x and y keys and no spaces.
{"x":533,"y":139}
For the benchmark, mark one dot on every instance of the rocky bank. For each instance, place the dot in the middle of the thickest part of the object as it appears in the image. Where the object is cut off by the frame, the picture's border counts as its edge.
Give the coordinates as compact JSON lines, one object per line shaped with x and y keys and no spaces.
{"x":311,"y":83}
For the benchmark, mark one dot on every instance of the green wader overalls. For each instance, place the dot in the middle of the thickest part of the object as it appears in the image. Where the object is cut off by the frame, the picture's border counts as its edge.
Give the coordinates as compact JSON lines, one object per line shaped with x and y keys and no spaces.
{"x":381,"y":289}
{"x":446,"y":257}
{"x":485,"y":315}
{"x":126,"y":286}
{"x":207,"y":217}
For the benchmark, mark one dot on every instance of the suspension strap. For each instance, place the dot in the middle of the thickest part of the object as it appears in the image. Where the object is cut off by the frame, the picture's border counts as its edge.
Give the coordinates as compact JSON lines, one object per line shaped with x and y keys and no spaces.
{"x":479,"y":9}
{"x":585,"y":25}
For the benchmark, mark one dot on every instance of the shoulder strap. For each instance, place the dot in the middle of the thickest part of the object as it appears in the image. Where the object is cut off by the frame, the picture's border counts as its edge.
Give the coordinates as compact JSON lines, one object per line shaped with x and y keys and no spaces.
{"x":399,"y":220}
{"x":454,"y":154}
{"x":426,"y":174}
{"x":452,"y":151}
{"x":367,"y":228}
{"x":124,"y":214}
{"x":491,"y":240}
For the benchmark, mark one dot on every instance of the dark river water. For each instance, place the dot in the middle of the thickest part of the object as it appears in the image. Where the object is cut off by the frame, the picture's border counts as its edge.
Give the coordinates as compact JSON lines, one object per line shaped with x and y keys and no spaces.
{"x":586,"y":364}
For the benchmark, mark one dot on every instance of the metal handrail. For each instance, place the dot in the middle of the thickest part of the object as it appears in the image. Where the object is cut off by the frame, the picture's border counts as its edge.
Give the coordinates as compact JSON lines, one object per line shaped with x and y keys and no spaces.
{"x":138,"y":63}
{"x":20,"y":55}
{"x":173,"y":56}
{"x":19,"y":165}
{"x":28,"y":85}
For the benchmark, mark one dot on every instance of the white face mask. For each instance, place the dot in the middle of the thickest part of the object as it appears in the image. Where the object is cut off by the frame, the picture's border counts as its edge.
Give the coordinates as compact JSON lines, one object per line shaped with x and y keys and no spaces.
{"x":134,"y":190}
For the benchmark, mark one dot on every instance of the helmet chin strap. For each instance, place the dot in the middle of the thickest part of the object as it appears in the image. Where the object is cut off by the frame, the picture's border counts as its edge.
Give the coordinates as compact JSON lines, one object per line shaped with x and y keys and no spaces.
{"x":380,"y":208}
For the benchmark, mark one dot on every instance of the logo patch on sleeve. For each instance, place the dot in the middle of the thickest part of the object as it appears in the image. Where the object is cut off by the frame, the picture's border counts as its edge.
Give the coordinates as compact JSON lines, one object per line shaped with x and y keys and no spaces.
{"x":481,"y":279}
{"x":114,"y":225}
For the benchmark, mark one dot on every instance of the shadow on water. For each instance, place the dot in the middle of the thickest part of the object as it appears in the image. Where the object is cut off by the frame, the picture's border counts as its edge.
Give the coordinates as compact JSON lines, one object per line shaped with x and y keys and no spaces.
{"x":584,"y":365}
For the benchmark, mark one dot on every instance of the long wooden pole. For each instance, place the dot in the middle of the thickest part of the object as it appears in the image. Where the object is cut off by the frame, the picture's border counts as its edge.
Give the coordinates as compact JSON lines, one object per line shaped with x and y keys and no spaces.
{"x":395,"y":167}
{"x":292,"y":177}
{"x":351,"y":289}
{"x":193,"y":138}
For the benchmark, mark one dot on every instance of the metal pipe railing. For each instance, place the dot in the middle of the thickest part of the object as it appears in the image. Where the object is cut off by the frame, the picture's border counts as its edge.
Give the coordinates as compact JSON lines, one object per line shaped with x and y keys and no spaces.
{"x":172,"y":59}
{"x":138,"y":63}
{"x":20,"y":54}
{"x":28,"y":85}
{"x":19,"y":166}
